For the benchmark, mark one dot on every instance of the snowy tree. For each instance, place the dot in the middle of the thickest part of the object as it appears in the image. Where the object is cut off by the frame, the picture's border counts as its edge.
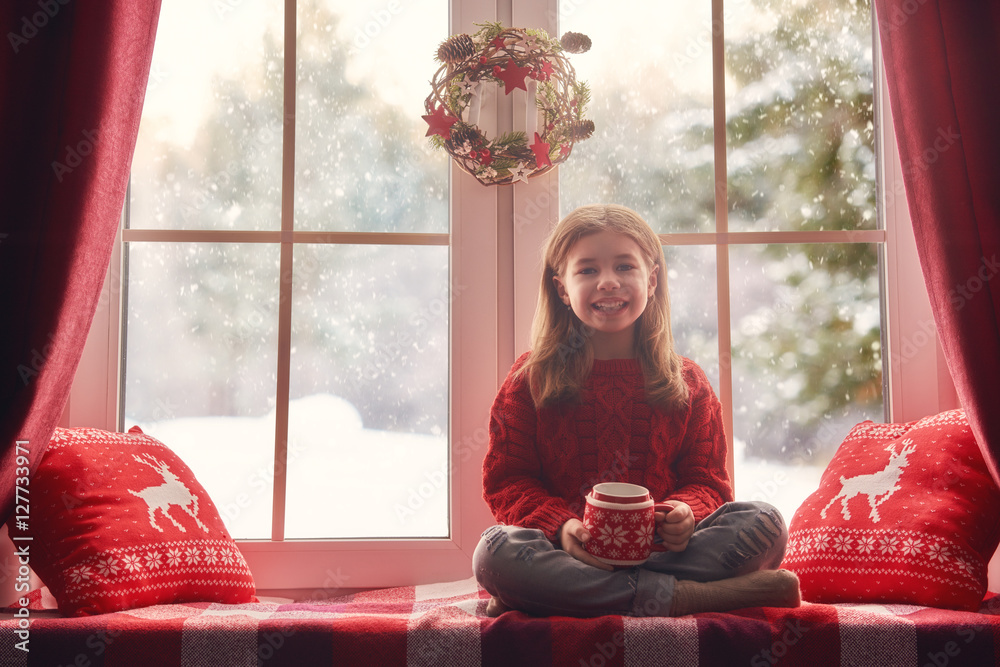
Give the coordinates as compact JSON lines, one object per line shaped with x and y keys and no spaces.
{"x":801,"y":136}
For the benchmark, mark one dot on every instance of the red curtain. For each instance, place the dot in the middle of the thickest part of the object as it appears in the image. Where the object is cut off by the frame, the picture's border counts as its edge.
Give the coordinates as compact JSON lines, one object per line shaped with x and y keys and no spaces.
{"x":942,"y":63}
{"x":72,"y":82}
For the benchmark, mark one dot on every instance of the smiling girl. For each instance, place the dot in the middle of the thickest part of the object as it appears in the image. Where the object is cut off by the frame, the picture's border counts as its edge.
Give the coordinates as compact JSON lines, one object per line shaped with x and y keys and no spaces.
{"x":603,"y":397}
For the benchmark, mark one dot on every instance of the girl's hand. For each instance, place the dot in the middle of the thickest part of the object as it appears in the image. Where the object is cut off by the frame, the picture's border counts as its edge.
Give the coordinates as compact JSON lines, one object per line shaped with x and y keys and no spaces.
{"x":572,"y":537}
{"x":676,"y":526}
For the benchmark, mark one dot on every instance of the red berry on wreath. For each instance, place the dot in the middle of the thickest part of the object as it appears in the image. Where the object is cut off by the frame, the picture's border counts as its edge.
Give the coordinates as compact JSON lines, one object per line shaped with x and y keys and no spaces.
{"x":483,"y":60}
{"x":496,"y":70}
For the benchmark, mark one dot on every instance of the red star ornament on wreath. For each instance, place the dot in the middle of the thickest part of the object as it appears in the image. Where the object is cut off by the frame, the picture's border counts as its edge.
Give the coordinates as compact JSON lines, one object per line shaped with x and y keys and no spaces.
{"x":553,"y":101}
{"x":541,"y":151}
{"x":440,"y":123}
{"x":512,"y":76}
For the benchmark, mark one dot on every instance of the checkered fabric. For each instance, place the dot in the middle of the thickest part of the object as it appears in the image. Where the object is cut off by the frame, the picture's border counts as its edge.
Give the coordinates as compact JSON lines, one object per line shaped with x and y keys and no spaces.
{"x":446,"y":625}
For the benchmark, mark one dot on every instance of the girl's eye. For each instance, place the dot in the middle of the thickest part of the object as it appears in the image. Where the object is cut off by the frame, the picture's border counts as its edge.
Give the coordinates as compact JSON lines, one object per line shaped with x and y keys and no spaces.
{"x":586,"y":271}
{"x":625,"y":267}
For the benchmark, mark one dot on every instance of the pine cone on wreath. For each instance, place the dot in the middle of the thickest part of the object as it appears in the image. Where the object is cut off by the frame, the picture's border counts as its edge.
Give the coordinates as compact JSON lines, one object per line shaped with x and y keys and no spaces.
{"x":456,"y":49}
{"x":575,"y":42}
{"x":581,"y":129}
{"x":461,"y":133}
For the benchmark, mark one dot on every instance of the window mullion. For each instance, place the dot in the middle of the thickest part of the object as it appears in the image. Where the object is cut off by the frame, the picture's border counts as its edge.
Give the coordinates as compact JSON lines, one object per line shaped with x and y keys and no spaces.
{"x":722,"y":225}
{"x":285,"y":278}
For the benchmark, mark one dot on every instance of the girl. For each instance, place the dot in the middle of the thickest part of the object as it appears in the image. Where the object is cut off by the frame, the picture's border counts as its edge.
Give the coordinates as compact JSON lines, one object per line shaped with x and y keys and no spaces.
{"x":602,"y":396}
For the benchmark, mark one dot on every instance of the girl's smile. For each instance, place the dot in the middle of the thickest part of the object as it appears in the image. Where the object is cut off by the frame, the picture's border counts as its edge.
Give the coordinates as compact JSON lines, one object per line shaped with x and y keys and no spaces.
{"x":607,"y":283}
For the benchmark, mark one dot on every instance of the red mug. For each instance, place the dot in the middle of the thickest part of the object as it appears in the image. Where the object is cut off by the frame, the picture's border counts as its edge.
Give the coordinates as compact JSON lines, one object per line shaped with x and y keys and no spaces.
{"x":619,"y":518}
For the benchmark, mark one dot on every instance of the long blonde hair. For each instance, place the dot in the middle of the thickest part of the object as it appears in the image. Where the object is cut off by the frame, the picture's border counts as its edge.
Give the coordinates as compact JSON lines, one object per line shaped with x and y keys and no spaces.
{"x":561,"y":354}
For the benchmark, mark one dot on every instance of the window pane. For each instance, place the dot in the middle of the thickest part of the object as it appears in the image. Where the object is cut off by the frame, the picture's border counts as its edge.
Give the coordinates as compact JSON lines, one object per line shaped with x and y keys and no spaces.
{"x":200,"y":367}
{"x":369,"y":383}
{"x":694,"y":309}
{"x":208,"y":154}
{"x":800,"y":128}
{"x":362,"y":162}
{"x":807,"y":362}
{"x":652,"y":107}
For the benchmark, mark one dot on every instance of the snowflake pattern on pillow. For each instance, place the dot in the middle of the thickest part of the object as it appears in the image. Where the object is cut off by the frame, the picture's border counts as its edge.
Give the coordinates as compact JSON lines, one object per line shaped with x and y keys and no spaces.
{"x":905,"y":513}
{"x":119,"y":521}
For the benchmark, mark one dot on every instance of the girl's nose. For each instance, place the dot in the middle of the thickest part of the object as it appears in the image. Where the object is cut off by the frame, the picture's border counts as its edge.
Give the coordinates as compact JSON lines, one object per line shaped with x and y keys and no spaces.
{"x":608,"y":281}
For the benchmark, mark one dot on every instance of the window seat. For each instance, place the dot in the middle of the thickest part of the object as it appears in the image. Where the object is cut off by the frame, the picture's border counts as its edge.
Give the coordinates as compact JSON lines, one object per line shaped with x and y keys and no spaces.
{"x":446,"y":624}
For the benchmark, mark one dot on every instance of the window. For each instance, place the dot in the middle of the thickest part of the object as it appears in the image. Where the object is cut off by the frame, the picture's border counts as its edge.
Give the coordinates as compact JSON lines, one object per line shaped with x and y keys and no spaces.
{"x":759,"y":172}
{"x":306,"y":287}
{"x":291,"y":276}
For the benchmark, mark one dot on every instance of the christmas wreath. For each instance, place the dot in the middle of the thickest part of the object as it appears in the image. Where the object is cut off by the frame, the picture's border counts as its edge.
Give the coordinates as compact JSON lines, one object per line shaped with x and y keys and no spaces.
{"x":513,"y":58}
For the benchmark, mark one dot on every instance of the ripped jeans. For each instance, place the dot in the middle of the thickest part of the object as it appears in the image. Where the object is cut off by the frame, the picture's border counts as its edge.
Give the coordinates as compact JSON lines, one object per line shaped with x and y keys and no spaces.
{"x":522,"y":568}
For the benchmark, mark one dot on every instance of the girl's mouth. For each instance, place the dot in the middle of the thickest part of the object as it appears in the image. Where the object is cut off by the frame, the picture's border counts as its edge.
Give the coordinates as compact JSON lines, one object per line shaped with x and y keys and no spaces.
{"x":610,"y":306}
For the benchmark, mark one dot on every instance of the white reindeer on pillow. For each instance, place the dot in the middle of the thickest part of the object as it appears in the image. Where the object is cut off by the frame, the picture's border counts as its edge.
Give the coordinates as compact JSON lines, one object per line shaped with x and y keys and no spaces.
{"x":883,"y":483}
{"x":171,"y":492}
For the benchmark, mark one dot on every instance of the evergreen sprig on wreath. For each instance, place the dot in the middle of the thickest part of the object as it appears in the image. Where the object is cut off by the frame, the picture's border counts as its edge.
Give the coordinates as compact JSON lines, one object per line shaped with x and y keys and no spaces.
{"x":513,"y":59}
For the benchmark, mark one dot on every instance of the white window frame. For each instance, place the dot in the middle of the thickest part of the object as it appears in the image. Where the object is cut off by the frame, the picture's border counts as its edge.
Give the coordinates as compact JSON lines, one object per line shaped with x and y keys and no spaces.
{"x":495,"y":238}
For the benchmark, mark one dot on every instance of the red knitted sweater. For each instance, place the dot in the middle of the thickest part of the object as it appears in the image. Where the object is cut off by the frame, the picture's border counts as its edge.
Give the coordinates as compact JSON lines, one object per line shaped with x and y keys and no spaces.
{"x":542,"y":463}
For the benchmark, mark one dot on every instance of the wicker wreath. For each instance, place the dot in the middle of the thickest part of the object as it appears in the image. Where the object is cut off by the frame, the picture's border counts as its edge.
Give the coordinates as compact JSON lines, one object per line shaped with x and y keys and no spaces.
{"x":512,"y":59}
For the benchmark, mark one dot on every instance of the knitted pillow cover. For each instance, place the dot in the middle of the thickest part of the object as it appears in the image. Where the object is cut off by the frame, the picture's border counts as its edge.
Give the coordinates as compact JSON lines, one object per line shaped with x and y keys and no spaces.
{"x":904,"y":513}
{"x":118,"y":521}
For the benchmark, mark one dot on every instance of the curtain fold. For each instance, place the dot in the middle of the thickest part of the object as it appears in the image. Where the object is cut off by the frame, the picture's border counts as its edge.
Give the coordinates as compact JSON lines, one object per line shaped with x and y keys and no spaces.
{"x":942,"y":65}
{"x":72,"y":79}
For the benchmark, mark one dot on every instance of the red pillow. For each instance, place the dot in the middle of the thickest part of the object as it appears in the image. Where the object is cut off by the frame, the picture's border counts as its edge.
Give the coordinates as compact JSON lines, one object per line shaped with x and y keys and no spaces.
{"x":118,"y":521}
{"x":904,"y":513}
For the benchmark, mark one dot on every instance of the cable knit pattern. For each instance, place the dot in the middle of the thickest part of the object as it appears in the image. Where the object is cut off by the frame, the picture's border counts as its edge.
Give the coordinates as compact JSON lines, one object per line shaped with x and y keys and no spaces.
{"x":542,"y":463}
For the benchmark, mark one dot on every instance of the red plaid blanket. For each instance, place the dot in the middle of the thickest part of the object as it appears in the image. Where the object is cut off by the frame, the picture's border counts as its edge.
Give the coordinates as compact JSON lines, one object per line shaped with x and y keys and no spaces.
{"x":446,"y":624}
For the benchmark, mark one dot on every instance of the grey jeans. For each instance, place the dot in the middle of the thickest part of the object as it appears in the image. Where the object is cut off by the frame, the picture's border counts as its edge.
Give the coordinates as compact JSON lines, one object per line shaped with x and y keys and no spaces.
{"x":522,"y":568}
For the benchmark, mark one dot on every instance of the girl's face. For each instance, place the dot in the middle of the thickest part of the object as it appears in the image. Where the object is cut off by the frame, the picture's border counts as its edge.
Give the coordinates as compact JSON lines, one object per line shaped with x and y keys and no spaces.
{"x":607,"y":284}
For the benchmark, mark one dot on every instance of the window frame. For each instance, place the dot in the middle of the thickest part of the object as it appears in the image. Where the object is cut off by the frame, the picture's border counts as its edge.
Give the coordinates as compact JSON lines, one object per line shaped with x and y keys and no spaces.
{"x":495,"y":238}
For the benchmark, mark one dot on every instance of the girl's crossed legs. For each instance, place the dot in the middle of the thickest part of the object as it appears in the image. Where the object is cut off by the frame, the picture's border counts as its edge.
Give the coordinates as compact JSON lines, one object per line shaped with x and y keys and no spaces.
{"x":729,"y":563}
